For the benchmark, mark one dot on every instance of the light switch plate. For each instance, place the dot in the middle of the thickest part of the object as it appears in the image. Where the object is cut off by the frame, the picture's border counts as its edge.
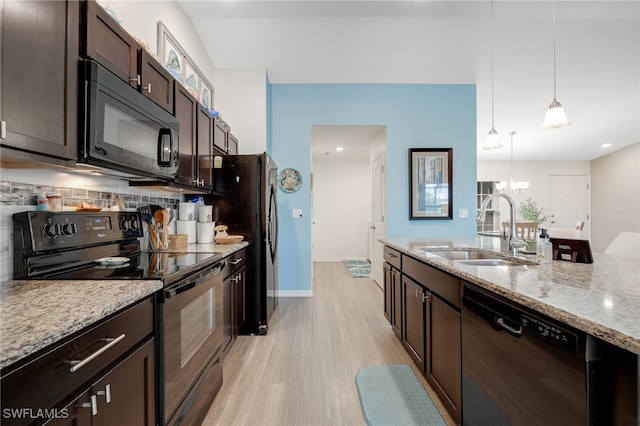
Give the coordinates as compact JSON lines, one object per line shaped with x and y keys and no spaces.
{"x":463,"y":213}
{"x":297,"y":213}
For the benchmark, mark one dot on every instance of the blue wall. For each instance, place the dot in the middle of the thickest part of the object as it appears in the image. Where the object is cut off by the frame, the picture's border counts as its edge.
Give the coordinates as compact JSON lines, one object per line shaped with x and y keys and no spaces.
{"x":416,"y":116}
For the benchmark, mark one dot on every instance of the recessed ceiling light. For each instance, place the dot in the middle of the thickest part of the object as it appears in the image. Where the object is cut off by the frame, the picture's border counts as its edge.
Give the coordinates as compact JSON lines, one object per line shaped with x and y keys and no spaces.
{"x":339,"y":148}
{"x":606,"y":145}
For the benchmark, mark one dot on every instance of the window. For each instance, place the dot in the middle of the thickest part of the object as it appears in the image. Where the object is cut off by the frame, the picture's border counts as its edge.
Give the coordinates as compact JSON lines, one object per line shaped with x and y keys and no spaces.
{"x":484,"y":189}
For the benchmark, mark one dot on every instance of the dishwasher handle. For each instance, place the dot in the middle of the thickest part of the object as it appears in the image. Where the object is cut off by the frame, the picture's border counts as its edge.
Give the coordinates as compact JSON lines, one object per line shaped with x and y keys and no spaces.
{"x":509,"y":329}
{"x":188,"y":284}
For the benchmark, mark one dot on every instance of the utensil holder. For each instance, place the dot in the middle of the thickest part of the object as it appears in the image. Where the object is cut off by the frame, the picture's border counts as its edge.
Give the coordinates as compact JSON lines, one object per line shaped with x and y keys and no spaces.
{"x":158,"y":238}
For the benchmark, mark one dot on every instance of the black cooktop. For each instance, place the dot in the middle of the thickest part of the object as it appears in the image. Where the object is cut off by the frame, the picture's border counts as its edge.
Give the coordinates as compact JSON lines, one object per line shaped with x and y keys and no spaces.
{"x":168,"y":267}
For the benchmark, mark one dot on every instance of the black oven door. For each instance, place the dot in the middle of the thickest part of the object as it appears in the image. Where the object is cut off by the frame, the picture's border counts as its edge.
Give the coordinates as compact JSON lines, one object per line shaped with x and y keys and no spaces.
{"x":191,"y":324}
{"x":124,"y":130}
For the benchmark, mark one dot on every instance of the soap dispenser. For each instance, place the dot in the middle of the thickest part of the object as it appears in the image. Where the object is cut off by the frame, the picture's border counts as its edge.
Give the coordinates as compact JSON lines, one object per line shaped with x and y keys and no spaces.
{"x":547,"y":248}
{"x":541,"y":239}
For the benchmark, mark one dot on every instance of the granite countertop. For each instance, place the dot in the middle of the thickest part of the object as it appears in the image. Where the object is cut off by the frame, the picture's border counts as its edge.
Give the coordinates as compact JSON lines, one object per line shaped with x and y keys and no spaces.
{"x":37,"y":313}
{"x":602,"y":298}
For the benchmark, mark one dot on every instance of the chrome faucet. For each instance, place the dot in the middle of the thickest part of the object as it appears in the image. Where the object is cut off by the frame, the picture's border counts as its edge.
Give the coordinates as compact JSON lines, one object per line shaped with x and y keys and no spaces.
{"x":515,"y":244}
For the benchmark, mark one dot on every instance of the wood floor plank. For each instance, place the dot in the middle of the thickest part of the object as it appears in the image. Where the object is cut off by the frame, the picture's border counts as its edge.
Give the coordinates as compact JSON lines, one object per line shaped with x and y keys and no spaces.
{"x":303,"y":371}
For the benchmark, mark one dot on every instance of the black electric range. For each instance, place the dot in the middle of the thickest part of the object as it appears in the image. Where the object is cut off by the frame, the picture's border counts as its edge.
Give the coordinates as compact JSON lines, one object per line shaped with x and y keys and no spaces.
{"x":94,"y":246}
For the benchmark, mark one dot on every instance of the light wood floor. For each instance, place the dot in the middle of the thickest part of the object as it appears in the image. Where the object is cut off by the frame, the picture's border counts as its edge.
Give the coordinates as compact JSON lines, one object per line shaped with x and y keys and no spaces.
{"x":303,"y":371}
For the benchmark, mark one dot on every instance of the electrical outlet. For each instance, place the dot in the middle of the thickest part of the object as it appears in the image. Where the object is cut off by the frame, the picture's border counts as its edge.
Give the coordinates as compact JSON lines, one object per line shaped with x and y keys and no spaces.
{"x":463,"y":213}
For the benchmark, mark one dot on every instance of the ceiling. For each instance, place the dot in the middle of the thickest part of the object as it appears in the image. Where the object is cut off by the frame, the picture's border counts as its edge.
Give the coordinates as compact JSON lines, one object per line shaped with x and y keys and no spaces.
{"x":361,"y":41}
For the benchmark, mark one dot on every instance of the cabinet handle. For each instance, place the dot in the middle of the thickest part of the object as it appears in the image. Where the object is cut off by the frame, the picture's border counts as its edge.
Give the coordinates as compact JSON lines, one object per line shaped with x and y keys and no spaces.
{"x":390,"y":255}
{"x":235,"y":278}
{"x":106,"y":392}
{"x":77,"y":365}
{"x":93,"y":405}
{"x":236,"y":261}
{"x":135,"y":80}
{"x":147,"y":88}
{"x":425,"y":297}
{"x":3,"y":129}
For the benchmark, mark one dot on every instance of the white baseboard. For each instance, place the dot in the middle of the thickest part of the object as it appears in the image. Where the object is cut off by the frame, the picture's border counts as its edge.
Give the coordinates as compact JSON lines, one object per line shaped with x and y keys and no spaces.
{"x":295,"y":293}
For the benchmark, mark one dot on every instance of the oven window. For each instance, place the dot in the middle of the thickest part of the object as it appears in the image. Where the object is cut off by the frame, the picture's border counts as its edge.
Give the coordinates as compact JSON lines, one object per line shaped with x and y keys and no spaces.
{"x":196,"y":325}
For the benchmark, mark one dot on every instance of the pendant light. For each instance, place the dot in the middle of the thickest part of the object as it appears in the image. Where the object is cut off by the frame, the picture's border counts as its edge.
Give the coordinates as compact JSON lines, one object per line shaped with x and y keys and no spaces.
{"x":493,"y":139}
{"x":555,"y":116}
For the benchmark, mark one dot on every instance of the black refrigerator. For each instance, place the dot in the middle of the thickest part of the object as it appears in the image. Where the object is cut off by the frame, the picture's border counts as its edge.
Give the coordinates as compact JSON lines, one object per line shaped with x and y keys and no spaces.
{"x":246,"y":200}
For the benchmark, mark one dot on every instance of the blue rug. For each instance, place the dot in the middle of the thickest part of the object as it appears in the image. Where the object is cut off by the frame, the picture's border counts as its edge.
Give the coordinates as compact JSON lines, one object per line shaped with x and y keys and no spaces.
{"x":358,"y":268}
{"x":393,"y":395}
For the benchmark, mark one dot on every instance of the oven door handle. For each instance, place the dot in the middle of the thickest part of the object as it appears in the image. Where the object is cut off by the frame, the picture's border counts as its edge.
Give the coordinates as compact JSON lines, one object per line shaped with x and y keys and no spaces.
{"x":190,"y":283}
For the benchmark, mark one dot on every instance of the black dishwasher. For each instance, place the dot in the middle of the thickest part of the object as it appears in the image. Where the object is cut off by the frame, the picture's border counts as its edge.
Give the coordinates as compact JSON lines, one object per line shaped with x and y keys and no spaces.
{"x":522,"y":368}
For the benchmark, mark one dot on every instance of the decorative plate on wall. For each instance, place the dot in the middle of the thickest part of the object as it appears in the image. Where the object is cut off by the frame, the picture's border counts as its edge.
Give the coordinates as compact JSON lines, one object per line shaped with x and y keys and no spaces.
{"x":289,"y":180}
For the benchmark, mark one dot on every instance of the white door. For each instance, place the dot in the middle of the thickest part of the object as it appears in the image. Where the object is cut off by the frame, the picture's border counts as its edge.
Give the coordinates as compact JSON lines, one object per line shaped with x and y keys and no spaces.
{"x":569,"y":202}
{"x":378,"y":228}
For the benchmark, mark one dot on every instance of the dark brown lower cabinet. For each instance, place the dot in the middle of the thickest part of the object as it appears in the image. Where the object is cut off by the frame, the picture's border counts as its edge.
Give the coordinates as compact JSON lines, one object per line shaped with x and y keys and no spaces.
{"x":124,"y":396}
{"x":429,"y":322}
{"x":443,"y":367}
{"x":234,"y":311}
{"x":393,"y":298}
{"x":413,"y":319}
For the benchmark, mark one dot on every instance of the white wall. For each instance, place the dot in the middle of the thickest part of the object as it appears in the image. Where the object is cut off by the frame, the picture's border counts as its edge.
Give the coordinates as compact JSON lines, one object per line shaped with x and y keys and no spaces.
{"x":341,"y":210}
{"x":615,"y":192}
{"x":241,"y":99}
{"x":536,"y":172}
{"x":140,"y":19}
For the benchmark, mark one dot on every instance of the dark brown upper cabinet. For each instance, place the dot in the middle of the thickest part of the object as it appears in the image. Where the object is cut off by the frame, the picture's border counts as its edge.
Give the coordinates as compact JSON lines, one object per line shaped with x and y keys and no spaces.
{"x":195,"y":156}
{"x":105,"y":41}
{"x":39,"y":80}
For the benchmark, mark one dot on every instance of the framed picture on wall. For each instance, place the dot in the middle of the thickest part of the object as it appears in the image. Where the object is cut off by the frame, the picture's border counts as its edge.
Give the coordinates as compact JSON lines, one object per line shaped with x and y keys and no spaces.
{"x":430,"y":183}
{"x":183,"y":68}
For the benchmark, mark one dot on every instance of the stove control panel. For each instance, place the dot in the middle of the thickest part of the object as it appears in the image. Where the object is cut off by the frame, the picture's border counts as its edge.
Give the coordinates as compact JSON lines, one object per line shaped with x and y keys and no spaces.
{"x":40,"y":231}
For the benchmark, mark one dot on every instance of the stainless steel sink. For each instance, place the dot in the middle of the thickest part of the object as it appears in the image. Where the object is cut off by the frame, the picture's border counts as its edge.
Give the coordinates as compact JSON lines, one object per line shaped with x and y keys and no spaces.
{"x":479,"y":258}
{"x":491,"y":262}
{"x":465,"y":254}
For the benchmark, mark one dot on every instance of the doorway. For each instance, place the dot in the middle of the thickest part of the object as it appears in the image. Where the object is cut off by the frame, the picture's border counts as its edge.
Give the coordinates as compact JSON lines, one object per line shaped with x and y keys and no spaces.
{"x":342,"y":199}
{"x":569,"y":202}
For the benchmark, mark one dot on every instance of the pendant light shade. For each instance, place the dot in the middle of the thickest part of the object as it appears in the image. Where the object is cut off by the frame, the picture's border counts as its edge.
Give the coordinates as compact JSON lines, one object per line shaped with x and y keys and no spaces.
{"x":555,"y":116}
{"x":493,"y":139}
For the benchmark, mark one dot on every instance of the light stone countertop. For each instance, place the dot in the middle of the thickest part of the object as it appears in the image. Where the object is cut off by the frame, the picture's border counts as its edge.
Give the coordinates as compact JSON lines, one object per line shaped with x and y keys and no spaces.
{"x":37,"y":313}
{"x":602,"y":298}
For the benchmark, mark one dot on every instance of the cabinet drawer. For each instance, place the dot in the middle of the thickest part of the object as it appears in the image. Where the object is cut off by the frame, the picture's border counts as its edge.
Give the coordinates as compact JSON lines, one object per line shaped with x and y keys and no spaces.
{"x":446,"y":286}
{"x":392,"y":257}
{"x":46,"y":380}
{"x":235,"y":261}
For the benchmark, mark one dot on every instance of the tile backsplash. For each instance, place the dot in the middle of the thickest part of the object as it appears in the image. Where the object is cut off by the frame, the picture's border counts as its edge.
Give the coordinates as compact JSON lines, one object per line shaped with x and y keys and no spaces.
{"x":24,"y":194}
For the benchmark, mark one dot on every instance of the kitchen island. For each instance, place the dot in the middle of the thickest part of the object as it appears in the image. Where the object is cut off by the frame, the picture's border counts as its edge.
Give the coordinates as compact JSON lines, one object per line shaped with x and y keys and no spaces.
{"x":513,"y":339}
{"x":602,"y":298}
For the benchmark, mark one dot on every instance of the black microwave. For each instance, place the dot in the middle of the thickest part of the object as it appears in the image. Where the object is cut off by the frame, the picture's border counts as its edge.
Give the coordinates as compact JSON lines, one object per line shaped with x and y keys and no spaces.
{"x":121,"y":129}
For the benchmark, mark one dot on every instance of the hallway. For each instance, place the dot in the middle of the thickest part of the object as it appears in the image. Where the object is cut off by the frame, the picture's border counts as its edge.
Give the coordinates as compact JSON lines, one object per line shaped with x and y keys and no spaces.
{"x":302,"y":372}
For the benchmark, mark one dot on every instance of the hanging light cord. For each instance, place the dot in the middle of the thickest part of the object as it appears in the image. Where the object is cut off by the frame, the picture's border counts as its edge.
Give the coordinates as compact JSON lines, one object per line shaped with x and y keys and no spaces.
{"x":554,"y":50}
{"x":492,"y":123}
{"x":511,"y":134}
